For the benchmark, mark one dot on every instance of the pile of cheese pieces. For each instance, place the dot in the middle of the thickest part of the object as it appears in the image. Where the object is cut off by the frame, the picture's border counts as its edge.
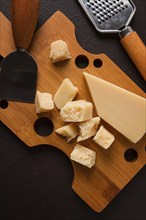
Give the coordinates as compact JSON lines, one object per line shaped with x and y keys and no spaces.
{"x":78,"y":114}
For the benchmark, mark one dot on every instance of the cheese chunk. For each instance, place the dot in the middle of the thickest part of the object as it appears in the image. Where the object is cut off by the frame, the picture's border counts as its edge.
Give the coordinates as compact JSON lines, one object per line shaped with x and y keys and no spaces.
{"x":59,"y":51}
{"x":123,"y":110}
{"x":66,"y":92}
{"x":69,"y":131}
{"x":83,"y":156}
{"x":104,"y":138}
{"x":43,"y":102}
{"x":77,"y":111}
{"x":88,"y":128}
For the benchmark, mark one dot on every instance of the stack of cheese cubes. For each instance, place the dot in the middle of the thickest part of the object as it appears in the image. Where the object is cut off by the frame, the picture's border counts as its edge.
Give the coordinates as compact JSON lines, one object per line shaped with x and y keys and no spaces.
{"x":78,"y":114}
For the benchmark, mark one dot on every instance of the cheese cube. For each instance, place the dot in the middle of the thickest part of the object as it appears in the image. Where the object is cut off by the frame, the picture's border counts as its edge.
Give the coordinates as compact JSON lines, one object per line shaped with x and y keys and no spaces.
{"x":83,"y":156}
{"x":66,"y":92}
{"x":59,"y":51}
{"x":69,"y":131}
{"x":43,"y":102}
{"x":88,"y":128}
{"x":77,"y":111}
{"x":104,"y":138}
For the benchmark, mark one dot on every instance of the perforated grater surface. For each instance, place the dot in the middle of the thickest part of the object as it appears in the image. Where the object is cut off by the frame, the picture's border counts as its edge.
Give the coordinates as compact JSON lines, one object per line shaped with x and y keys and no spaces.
{"x":109,"y":15}
{"x":114,"y":16}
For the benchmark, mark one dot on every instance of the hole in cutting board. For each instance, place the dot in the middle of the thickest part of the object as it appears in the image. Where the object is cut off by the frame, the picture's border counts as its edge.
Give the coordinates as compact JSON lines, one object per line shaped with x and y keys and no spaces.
{"x":43,"y":126}
{"x":3,"y":104}
{"x":82,"y":61}
{"x":131,"y":155}
{"x":98,"y":63}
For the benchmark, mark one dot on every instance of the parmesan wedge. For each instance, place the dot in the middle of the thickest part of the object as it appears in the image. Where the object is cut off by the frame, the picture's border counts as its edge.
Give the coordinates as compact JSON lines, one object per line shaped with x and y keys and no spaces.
{"x":122,"y":109}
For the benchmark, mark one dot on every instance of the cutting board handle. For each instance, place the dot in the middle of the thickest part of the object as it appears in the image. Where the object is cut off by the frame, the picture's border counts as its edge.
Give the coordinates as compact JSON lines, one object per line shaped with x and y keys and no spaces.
{"x":136,"y":50}
{"x":24,"y":16}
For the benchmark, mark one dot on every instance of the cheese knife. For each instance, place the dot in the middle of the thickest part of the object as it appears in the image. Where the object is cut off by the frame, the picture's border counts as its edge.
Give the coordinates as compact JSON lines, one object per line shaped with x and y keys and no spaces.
{"x":18,"y":72}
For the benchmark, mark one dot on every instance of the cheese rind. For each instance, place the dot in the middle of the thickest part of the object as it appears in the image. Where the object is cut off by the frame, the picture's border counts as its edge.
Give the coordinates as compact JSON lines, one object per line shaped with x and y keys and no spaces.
{"x":59,"y":51}
{"x":43,"y":102}
{"x":66,"y":92}
{"x":123,"y":110}
{"x":83,"y":156}
{"x":88,"y":128}
{"x":77,"y":111}
{"x":69,"y":131}
{"x":104,"y":138}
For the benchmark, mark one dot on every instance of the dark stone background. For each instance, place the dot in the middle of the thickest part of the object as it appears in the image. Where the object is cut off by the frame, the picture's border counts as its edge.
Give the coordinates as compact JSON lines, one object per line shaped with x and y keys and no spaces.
{"x":35,"y":184}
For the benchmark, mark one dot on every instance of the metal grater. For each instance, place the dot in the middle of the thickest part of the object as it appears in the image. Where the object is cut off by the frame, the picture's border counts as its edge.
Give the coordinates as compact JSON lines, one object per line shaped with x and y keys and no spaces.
{"x":114,"y":16}
{"x":109,"y":16}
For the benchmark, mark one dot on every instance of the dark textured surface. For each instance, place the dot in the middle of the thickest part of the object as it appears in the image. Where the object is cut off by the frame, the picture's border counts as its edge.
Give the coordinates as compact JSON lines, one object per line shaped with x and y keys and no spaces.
{"x":35,"y":184}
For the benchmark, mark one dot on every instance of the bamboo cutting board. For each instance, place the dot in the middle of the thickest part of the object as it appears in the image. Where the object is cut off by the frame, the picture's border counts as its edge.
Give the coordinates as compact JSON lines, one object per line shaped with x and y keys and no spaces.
{"x":99,"y":185}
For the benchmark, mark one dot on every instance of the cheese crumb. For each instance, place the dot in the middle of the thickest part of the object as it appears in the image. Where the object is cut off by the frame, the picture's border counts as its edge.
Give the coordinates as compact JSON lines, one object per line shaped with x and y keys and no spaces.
{"x":83,"y":156}
{"x":43,"y":102}
{"x":69,"y":131}
{"x":104,"y":138}
{"x":59,"y":51}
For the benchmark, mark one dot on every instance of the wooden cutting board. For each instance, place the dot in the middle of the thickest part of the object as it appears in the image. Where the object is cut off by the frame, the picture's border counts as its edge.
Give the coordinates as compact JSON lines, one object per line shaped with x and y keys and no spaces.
{"x":99,"y":185}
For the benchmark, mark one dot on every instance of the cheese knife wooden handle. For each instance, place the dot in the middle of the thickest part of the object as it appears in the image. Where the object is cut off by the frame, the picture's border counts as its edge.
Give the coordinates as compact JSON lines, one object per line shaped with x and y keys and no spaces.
{"x":24,"y":16}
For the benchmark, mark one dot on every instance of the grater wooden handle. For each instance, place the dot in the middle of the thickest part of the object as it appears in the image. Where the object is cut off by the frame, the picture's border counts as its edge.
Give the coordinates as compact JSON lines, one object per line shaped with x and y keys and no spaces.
{"x":136,"y":50}
{"x":24,"y":14}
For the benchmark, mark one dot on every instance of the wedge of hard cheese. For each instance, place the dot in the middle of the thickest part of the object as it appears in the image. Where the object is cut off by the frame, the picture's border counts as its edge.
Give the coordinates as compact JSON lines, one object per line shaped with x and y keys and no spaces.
{"x":123,"y":110}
